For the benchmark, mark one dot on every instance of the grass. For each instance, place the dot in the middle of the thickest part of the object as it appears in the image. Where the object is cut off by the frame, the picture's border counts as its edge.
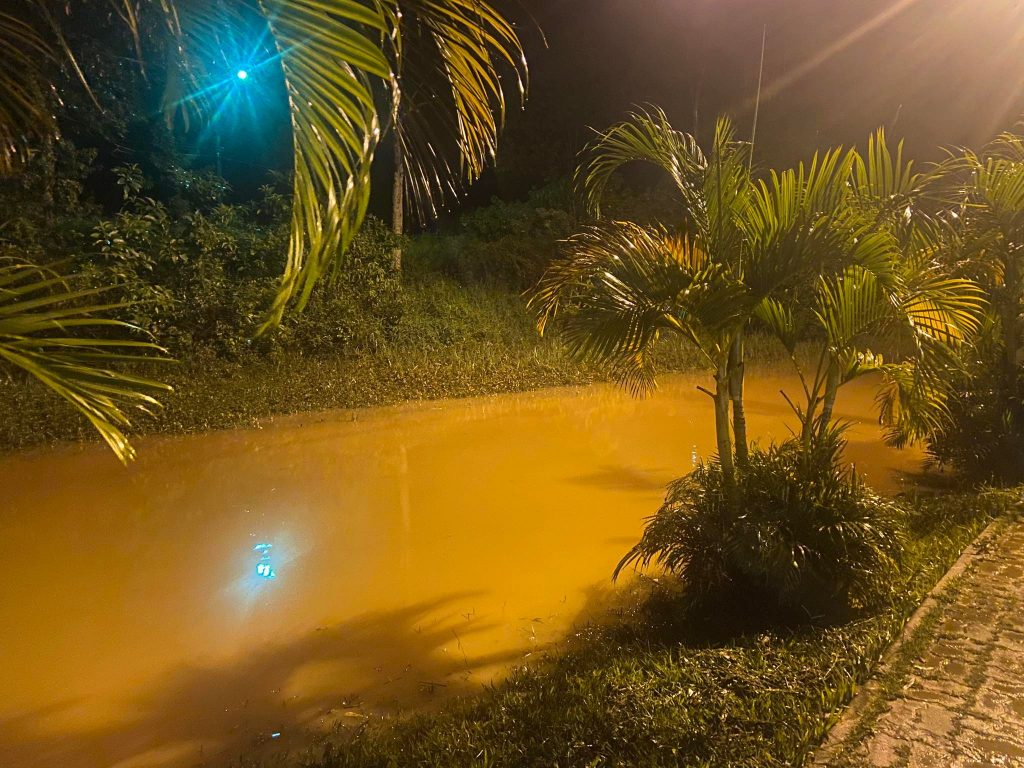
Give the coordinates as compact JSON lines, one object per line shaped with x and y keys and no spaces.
{"x":661,"y":686}
{"x":452,"y":341}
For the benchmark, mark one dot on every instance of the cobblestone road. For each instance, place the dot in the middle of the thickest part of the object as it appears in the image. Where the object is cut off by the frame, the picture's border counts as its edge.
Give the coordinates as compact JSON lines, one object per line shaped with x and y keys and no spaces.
{"x":962,"y":704}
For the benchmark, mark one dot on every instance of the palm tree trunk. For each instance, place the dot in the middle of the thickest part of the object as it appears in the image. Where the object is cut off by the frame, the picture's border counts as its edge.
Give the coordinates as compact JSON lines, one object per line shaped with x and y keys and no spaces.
{"x":398,"y":202}
{"x":739,"y":414}
{"x":829,"y":399}
{"x":48,"y":156}
{"x":722,"y":432}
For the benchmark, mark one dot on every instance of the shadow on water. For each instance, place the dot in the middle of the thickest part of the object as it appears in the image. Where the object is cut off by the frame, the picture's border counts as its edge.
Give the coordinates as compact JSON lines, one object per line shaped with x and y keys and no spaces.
{"x":611,"y":478}
{"x":185,"y":716}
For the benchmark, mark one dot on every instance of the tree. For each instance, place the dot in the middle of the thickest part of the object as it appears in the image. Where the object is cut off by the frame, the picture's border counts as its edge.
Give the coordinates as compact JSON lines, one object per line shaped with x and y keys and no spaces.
{"x":346,"y":65}
{"x":746,"y":251}
{"x":623,"y":286}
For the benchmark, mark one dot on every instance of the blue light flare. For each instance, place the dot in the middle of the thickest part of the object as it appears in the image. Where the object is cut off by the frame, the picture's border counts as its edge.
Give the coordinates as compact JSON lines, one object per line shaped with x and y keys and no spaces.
{"x":242,"y":74}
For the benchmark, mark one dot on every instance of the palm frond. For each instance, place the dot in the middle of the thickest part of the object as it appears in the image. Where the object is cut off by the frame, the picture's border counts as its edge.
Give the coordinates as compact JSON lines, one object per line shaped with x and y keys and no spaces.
{"x":796,"y":225}
{"x":450,"y":98}
{"x":24,"y":118}
{"x":912,"y":402}
{"x":645,"y":136}
{"x":623,"y":286}
{"x":42,"y":321}
{"x":946,"y":309}
{"x":778,"y":319}
{"x":330,"y":55}
{"x":849,"y":307}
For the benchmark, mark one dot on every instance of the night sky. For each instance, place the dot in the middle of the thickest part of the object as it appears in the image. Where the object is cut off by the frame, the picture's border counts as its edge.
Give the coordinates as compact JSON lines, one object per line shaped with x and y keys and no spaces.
{"x":939,"y":72}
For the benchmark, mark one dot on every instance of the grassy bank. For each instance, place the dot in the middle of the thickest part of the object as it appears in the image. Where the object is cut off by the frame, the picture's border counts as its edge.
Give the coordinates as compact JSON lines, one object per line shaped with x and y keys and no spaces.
{"x":664,"y":687}
{"x":450,"y":341}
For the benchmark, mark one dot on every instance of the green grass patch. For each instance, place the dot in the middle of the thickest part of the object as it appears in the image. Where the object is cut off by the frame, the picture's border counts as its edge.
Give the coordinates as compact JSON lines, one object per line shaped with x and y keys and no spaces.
{"x":451,"y":341}
{"x":664,"y":686}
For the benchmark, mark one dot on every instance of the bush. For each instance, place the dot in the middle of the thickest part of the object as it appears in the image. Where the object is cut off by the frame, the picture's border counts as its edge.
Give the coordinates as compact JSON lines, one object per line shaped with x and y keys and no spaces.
{"x":984,"y":440}
{"x":506,"y":244}
{"x":805,"y":535}
{"x":361,"y":308}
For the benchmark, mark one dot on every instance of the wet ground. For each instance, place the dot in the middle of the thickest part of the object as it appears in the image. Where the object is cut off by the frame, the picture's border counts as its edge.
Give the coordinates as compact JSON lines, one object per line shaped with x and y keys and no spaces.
{"x":414,"y":552}
{"x":962,"y":705}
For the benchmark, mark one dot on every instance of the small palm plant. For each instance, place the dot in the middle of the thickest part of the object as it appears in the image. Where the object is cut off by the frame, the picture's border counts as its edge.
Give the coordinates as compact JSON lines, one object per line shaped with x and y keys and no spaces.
{"x":896,"y":294}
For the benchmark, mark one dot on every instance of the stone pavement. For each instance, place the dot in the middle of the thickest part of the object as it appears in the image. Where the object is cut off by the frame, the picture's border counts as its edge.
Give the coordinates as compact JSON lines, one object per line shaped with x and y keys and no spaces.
{"x":961,"y":702}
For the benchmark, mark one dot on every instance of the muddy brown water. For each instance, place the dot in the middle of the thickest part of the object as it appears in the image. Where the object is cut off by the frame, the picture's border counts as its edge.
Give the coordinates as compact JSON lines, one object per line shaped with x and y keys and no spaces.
{"x":417,"y":551}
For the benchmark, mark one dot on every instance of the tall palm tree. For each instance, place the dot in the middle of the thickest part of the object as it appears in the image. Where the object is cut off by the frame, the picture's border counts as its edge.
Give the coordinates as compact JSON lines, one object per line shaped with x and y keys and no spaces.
{"x":430,"y":69}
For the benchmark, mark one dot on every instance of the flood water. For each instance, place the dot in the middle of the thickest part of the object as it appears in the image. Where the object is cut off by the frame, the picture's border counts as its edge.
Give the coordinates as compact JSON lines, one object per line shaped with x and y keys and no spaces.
{"x":417,"y":551}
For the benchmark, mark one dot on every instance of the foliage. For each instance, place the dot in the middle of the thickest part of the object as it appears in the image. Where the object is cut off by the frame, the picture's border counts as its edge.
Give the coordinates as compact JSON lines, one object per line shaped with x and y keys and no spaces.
{"x":984,"y":438}
{"x":804,"y":532}
{"x":346,"y":69}
{"x":198,"y":273}
{"x":836,"y":237}
{"x":504,"y":243}
{"x":53,"y":330}
{"x":655,"y":688}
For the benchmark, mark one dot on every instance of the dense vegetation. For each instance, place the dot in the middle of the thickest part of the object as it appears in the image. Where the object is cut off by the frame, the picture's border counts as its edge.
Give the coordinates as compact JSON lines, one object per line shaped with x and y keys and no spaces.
{"x":195,"y":272}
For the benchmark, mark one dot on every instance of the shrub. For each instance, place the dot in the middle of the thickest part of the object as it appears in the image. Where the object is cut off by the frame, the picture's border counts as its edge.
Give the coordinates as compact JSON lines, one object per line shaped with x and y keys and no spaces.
{"x":361,"y":308}
{"x":984,"y":438}
{"x":506,"y":244}
{"x":201,"y":282}
{"x":802,"y":533}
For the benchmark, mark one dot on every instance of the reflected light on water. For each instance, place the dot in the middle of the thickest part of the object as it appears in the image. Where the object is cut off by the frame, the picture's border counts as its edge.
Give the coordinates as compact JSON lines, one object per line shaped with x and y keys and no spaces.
{"x":264,"y":569}
{"x":265,"y":572}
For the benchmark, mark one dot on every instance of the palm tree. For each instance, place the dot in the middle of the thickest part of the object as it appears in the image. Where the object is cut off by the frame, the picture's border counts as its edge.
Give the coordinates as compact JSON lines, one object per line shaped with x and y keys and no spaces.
{"x":623,"y":286}
{"x":833,"y":229}
{"x":988,"y":198}
{"x":346,"y":66}
{"x":890,"y":290}
{"x":446,"y":78}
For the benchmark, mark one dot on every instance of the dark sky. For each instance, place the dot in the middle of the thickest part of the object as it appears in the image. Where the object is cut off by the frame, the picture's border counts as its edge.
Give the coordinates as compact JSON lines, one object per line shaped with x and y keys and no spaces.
{"x":938,"y":72}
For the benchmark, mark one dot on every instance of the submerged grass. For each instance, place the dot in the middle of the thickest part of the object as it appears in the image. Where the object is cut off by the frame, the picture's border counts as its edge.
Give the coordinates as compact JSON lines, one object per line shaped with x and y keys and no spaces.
{"x":663,"y":686}
{"x":451,"y":341}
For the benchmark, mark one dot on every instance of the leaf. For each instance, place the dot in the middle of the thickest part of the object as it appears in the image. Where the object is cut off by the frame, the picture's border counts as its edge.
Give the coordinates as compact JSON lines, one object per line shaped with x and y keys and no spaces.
{"x":38,"y":310}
